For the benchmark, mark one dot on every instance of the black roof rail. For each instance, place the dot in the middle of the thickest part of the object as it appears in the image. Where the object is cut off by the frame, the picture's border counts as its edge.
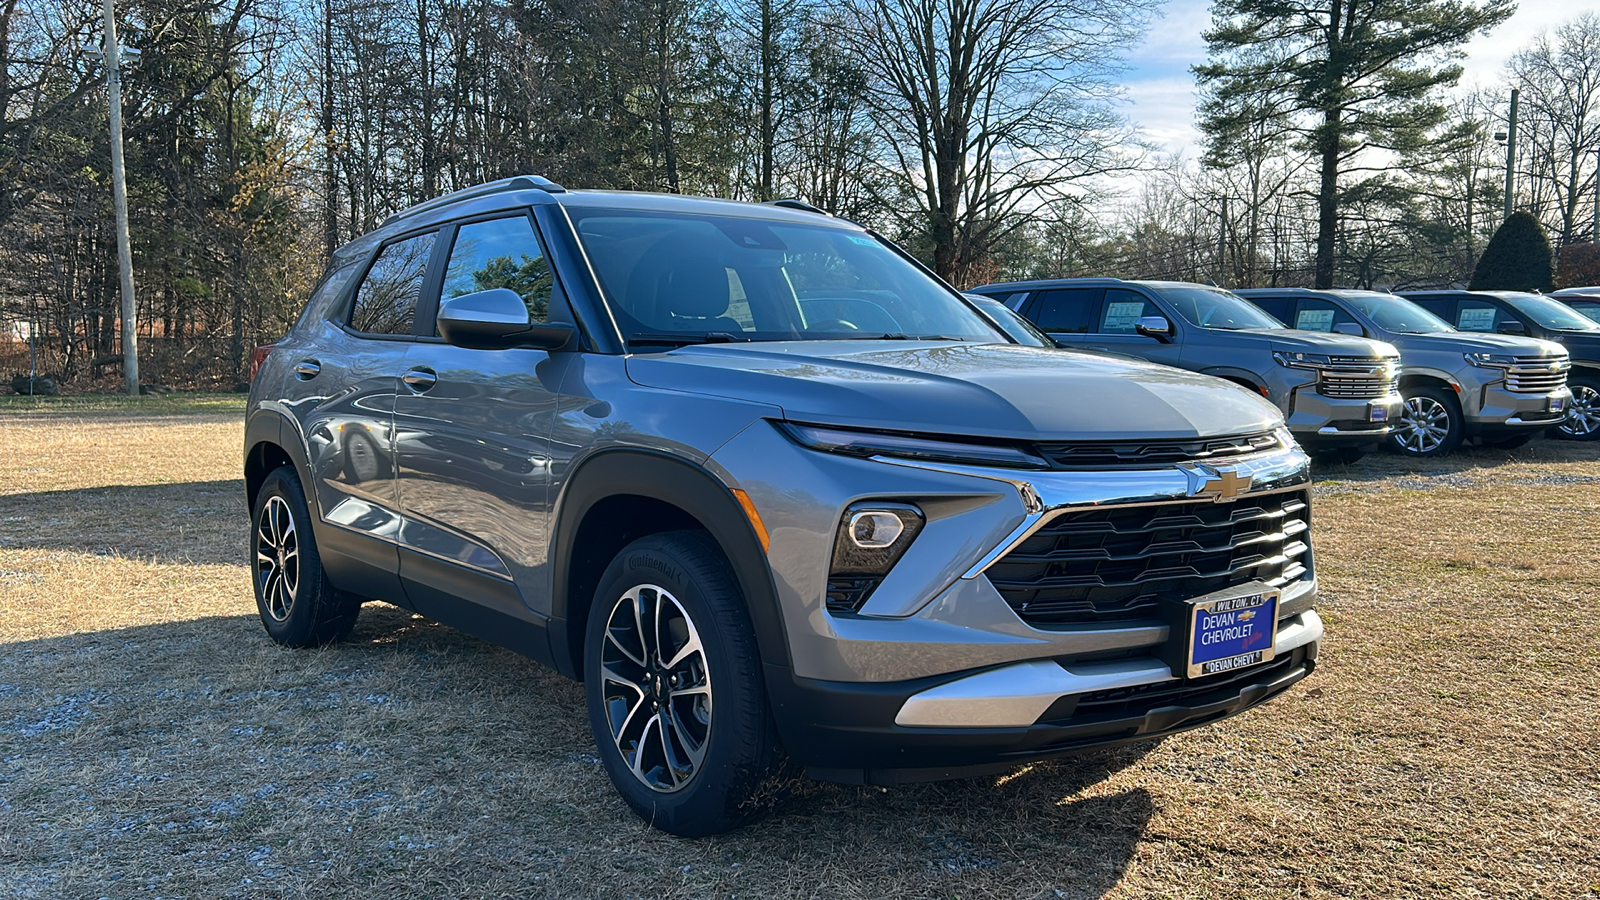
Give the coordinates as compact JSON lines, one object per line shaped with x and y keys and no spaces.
{"x":794,"y":203}
{"x":516,"y":183}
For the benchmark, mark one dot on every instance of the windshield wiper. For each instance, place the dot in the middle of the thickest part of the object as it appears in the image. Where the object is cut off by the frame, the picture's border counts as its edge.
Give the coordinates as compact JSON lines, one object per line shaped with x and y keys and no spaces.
{"x":902,"y":336}
{"x":679,"y":340}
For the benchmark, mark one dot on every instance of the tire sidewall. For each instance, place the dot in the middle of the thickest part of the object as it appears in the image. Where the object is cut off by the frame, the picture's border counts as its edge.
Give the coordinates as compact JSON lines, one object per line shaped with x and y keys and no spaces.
{"x":1453,"y":436}
{"x":710,"y":802}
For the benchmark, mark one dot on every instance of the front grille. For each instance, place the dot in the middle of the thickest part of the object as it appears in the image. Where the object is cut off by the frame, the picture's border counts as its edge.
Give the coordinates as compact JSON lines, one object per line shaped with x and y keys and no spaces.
{"x":1117,"y":703}
{"x":1357,"y":378}
{"x":1532,"y":375}
{"x":1113,"y":565}
{"x":1126,"y":454}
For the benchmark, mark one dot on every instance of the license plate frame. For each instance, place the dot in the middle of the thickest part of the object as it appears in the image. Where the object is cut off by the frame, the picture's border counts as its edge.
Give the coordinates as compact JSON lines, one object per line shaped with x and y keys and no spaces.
{"x":1556,"y":404}
{"x":1235,"y":631}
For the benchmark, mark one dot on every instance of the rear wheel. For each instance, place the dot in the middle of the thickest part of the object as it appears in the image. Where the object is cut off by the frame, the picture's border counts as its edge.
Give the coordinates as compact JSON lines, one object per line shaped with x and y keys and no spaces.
{"x":298,"y":605}
{"x":674,"y":686}
{"x":1583,"y":421}
{"x":1430,"y":423}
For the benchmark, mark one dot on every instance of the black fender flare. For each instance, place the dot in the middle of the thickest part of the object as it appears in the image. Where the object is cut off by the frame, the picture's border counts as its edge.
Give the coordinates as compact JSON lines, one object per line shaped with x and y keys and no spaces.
{"x":689,"y":487}
{"x":267,"y":426}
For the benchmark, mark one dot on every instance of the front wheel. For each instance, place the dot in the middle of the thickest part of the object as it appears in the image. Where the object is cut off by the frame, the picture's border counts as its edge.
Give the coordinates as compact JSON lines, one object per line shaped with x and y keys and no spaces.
{"x":1430,"y":423}
{"x":674,"y":685}
{"x":1583,"y":420}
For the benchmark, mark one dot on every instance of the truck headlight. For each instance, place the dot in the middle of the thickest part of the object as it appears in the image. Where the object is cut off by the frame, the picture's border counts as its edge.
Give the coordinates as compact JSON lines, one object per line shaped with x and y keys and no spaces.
{"x":1490,"y":360}
{"x":1301,"y":360}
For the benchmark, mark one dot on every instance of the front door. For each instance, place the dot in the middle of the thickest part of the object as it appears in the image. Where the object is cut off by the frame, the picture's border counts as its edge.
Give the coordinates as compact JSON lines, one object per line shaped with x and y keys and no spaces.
{"x":472,"y":439}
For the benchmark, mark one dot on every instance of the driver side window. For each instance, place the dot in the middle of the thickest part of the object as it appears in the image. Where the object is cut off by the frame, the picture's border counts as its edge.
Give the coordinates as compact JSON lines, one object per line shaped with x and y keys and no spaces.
{"x":500,"y":253}
{"x":1122,"y":311}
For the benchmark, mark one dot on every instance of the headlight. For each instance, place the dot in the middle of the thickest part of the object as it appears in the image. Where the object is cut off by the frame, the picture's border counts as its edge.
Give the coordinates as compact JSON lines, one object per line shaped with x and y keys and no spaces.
{"x":871,"y":537}
{"x":1491,"y":360}
{"x":1301,"y":360}
{"x":905,"y":446}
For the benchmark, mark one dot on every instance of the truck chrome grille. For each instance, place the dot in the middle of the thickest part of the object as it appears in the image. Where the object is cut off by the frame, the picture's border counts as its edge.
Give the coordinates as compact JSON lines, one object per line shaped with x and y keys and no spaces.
{"x":1114,"y":565}
{"x":1358,"y":377}
{"x":1533,"y":375}
{"x":1128,"y":454}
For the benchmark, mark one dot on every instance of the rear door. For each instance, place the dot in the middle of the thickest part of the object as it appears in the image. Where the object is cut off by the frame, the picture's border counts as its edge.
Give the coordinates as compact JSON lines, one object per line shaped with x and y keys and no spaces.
{"x":472,"y":431}
{"x":1066,"y":314}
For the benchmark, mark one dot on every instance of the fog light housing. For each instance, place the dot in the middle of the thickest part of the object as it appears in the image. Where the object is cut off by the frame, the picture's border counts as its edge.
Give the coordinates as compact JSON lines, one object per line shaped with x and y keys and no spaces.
{"x":871,"y":538}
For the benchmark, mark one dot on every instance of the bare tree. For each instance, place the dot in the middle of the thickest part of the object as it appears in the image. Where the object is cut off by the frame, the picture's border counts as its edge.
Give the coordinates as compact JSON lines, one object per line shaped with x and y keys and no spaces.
{"x":1560,"y":83}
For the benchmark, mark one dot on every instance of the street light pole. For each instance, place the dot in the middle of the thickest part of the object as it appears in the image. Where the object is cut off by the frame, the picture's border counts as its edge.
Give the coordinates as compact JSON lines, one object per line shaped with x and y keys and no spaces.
{"x":1511,"y":151}
{"x":119,"y":201}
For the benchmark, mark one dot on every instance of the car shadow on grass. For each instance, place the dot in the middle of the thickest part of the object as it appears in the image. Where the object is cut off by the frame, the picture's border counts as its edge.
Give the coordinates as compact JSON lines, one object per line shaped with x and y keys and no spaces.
{"x":1461,"y":468}
{"x":196,"y":522}
{"x":199,"y":749}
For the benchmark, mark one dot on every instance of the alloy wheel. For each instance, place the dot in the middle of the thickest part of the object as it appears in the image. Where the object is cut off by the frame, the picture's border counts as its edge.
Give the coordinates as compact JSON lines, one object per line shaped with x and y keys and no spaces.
{"x":1424,"y":424}
{"x":277,"y":558}
{"x":656,"y":688}
{"x":1584,"y":417}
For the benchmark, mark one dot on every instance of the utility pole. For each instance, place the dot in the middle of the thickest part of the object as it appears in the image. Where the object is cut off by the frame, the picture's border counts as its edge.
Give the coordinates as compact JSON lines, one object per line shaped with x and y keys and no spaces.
{"x":1222,"y":242}
{"x":1511,"y":153}
{"x":119,"y":200}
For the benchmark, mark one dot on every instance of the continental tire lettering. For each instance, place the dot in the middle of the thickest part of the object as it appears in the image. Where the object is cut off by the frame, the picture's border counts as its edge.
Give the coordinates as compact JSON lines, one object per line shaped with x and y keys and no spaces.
{"x":650,"y":562}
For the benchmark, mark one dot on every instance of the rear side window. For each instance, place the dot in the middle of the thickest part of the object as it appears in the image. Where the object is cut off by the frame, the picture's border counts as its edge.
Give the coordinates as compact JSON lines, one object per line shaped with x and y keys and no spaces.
{"x":1443,"y":307}
{"x":1280,"y":308}
{"x":501,"y":253}
{"x":1071,"y":311}
{"x":386,"y":303}
{"x":1123,"y":310}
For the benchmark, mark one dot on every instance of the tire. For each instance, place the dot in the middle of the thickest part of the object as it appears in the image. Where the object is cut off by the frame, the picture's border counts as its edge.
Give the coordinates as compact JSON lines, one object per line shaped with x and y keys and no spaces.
{"x":1583,"y":422}
{"x":716,"y":721}
{"x":1430,"y":423}
{"x":1338,"y":456}
{"x":1509,"y":442}
{"x":298,"y":605}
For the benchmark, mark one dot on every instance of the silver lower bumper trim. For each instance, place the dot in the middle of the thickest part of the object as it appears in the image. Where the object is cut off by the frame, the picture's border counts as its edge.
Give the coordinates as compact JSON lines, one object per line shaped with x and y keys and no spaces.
{"x":1015,"y":696}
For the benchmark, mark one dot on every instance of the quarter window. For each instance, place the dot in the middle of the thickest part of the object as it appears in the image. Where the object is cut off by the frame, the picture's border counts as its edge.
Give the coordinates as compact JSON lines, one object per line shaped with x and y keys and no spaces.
{"x":387,"y":300}
{"x":501,"y":253}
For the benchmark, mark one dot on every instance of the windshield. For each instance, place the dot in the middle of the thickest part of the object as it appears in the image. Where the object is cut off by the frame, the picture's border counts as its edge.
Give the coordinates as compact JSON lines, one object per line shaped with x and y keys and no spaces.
{"x":676,"y":278}
{"x":1551,"y":314}
{"x":1021,"y":330}
{"x":1396,"y":314}
{"x":1216,"y":308}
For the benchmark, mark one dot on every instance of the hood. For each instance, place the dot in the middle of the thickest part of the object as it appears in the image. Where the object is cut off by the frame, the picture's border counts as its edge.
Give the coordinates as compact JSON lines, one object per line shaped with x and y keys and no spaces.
{"x":1289,"y":340}
{"x":980,"y":390}
{"x":1478,"y":342}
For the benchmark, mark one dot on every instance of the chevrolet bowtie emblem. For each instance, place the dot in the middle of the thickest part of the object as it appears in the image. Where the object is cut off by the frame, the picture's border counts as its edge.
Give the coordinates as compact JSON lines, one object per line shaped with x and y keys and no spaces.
{"x":1224,"y":484}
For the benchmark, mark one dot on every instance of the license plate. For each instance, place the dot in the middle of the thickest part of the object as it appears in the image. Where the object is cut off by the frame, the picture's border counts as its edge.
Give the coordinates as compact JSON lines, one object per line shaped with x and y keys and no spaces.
{"x":1377,"y":413}
{"x":1557,"y":404}
{"x":1232,"y":633}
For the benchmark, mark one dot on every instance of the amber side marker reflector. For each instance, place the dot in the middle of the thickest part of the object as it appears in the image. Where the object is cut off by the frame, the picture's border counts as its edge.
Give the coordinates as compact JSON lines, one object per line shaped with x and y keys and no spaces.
{"x":1264,"y":393}
{"x":754,"y":517}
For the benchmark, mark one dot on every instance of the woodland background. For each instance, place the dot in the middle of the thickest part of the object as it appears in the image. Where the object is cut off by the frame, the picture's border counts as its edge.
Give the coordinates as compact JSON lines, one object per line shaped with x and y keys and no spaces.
{"x":984,"y":135}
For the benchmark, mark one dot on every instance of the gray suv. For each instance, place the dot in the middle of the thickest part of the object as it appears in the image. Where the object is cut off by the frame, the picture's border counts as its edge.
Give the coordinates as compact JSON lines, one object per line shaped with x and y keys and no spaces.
{"x":759,"y":480}
{"x":1337,"y":392}
{"x":1500,"y":389}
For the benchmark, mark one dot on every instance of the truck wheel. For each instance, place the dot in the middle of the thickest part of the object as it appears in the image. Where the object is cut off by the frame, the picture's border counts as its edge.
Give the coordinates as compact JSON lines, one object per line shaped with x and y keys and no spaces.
{"x":1583,"y":422}
{"x":297,"y":603}
{"x":674,"y":685}
{"x":1430,"y":423}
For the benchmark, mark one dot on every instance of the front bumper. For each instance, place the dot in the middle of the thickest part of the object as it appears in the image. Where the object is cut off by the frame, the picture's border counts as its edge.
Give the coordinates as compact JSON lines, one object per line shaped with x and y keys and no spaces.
{"x":1319,"y":421}
{"x":1500,"y":410}
{"x":909,"y":682}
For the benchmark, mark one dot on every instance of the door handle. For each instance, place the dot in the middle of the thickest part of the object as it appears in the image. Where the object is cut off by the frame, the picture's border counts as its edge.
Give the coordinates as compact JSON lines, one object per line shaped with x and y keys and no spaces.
{"x":420,"y":379}
{"x":307,"y":369}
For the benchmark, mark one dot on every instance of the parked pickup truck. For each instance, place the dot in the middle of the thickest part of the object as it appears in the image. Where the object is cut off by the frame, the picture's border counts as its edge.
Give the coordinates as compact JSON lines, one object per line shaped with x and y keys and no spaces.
{"x":1338,"y":392}
{"x":758,"y":479}
{"x":1499,"y":389}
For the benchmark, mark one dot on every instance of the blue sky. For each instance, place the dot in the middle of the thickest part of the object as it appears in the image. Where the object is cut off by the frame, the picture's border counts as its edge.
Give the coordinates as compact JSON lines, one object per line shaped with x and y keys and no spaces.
{"x":1160,"y":88}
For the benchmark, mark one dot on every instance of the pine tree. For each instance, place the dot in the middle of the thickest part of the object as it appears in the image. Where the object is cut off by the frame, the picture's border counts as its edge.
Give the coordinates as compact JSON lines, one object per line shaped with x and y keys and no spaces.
{"x":1344,"y":76}
{"x":1518,"y":258}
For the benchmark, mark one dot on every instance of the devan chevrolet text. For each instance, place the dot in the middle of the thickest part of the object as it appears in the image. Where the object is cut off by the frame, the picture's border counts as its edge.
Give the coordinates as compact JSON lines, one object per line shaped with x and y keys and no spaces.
{"x":763,"y":483}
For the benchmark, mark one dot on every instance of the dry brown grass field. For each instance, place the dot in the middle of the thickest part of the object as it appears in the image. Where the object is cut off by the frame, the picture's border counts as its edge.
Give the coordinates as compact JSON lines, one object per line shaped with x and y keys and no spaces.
{"x":154,"y":743}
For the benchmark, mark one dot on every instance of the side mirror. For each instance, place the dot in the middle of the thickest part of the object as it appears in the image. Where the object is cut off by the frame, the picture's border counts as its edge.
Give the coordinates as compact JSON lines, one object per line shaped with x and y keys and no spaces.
{"x":496,"y":319}
{"x":1350,"y":328}
{"x":1511,"y":326}
{"x":1154,"y":327}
